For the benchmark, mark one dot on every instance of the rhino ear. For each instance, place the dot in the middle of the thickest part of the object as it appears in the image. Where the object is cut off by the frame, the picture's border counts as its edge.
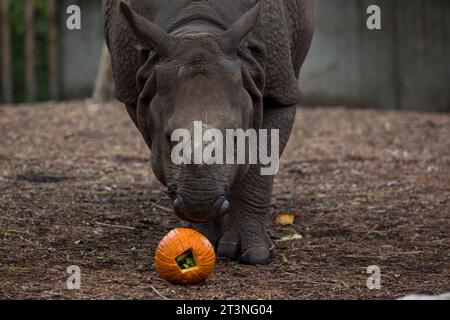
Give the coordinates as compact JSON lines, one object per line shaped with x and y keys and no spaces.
{"x":231,"y":40}
{"x":149,"y":35}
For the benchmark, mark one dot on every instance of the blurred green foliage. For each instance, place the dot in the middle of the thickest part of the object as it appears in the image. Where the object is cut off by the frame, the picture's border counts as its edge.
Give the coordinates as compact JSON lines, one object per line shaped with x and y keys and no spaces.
{"x":18,"y":49}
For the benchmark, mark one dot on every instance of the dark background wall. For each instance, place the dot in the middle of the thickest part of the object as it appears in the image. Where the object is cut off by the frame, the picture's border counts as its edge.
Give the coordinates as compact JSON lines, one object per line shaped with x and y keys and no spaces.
{"x":80,"y":49}
{"x":404,"y":66}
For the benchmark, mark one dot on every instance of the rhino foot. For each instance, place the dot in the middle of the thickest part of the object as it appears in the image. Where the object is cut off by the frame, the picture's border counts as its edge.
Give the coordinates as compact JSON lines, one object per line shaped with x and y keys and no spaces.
{"x":248,"y":241}
{"x":245,"y":240}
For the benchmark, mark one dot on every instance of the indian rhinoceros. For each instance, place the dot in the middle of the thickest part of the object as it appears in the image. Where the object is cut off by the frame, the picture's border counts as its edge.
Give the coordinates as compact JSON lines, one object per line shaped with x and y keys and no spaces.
{"x":231,"y":64}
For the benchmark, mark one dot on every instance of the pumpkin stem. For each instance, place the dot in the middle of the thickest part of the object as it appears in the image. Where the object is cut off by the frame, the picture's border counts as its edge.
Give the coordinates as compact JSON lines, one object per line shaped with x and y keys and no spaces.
{"x":186,"y":261}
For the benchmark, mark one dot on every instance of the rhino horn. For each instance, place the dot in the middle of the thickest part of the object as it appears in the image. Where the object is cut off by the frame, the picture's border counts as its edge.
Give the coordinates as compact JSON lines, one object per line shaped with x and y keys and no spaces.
{"x":149,"y":35}
{"x":231,"y":40}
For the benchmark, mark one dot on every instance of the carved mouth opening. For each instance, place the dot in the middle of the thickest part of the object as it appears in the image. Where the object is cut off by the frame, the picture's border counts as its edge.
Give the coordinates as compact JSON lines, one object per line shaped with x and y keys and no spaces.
{"x":187,"y":261}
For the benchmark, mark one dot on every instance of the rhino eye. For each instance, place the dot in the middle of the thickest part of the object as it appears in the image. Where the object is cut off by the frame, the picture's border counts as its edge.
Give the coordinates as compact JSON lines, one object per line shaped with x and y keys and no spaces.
{"x":169,"y":137}
{"x":171,"y":143}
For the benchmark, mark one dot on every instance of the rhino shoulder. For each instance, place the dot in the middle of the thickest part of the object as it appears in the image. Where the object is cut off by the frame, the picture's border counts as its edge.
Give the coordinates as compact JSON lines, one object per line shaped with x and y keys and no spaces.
{"x":286,"y":27}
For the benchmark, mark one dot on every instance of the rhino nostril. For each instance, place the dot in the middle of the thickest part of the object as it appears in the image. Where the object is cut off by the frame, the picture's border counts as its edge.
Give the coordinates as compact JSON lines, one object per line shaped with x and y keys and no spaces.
{"x":225,"y":206}
{"x":222,"y":204}
{"x":178,"y":202}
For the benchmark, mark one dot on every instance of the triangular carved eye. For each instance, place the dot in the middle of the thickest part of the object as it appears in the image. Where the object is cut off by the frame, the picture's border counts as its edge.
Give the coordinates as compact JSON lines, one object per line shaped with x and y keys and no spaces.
{"x":231,"y":40}
{"x":149,"y":35}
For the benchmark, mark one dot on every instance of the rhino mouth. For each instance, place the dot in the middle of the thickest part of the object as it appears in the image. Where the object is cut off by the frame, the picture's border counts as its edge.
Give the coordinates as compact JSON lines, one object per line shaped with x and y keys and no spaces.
{"x":201,"y":213}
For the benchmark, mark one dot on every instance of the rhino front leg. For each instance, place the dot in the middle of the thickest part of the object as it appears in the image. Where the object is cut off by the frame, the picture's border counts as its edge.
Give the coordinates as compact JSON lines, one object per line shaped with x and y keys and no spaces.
{"x":244,"y":235}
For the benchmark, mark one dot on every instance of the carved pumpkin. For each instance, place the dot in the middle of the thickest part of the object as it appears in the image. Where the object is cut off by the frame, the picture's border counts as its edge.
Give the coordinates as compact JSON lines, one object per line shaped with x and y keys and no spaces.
{"x":185,"y":257}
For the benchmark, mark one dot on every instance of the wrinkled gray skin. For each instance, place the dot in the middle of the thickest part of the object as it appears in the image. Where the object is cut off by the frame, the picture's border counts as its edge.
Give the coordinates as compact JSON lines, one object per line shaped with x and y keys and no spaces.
{"x":230,"y":64}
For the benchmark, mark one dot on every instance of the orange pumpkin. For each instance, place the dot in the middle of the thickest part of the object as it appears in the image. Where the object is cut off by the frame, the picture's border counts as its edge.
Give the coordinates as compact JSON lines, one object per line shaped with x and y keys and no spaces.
{"x":185,"y":257}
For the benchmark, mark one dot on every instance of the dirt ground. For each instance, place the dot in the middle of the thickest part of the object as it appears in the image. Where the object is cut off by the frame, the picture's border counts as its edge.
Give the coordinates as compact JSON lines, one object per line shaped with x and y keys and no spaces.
{"x":368,"y":188}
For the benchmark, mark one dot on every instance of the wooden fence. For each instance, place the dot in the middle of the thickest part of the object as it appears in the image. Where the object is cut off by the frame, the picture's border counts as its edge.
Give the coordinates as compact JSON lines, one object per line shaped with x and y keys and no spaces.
{"x":29,"y":44}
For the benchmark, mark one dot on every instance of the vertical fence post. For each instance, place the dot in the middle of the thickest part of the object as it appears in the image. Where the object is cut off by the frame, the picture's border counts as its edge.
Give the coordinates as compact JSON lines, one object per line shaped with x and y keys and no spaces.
{"x":7,"y":75}
{"x":104,"y":82}
{"x":30,"y":61}
{"x":53,"y":54}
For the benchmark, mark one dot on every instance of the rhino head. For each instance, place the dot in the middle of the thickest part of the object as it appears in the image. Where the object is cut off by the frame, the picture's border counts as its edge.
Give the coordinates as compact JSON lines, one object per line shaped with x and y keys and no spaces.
{"x":189,"y":77}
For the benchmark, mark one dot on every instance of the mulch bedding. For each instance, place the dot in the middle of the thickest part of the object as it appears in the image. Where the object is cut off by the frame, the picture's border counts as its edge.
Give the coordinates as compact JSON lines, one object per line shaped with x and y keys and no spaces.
{"x":367,"y":188}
